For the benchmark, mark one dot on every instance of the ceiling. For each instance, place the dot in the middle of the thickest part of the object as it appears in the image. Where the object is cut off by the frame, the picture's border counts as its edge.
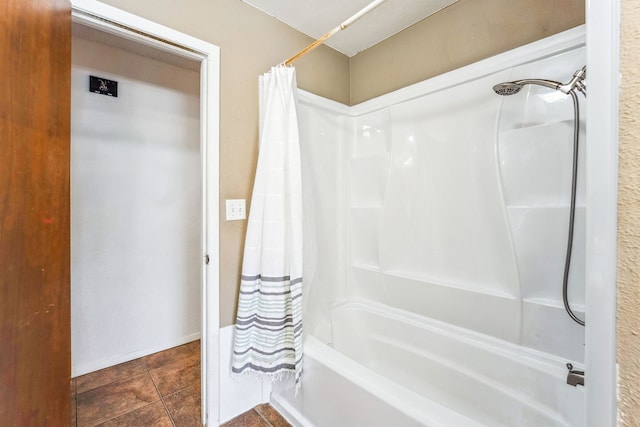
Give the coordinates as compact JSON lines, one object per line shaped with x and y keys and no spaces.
{"x":317,"y":17}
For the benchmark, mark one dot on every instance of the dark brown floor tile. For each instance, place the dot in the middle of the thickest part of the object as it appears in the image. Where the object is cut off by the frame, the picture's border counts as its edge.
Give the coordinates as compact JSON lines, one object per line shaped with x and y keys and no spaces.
{"x":249,"y":419}
{"x":109,"y":375}
{"x":184,"y":407}
{"x":272,"y":415}
{"x":153,"y":415}
{"x":177,"y":375}
{"x":172,"y":355}
{"x":117,"y":398}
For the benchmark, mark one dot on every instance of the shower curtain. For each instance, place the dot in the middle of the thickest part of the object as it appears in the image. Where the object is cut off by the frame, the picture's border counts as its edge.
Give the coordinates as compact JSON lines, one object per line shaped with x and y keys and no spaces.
{"x":268,"y":334}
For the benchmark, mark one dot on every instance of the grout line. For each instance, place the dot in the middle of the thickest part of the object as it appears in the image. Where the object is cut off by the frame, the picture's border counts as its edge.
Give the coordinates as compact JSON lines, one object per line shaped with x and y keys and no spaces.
{"x":164,"y":405}
{"x":166,"y":410}
{"x":262,"y":416}
{"x":173,"y":423}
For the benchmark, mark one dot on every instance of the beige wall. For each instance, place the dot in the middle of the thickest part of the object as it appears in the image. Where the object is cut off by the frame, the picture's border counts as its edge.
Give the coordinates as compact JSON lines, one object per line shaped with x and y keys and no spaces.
{"x":629,"y":217}
{"x":251,"y":42}
{"x":459,"y":35}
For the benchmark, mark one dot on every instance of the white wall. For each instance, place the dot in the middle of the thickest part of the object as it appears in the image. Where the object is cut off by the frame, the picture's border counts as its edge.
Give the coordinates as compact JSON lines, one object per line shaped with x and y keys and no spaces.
{"x":135,"y":190}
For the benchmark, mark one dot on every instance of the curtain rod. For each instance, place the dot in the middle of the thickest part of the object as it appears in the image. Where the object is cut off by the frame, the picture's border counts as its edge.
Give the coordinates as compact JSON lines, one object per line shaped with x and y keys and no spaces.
{"x":340,"y":27}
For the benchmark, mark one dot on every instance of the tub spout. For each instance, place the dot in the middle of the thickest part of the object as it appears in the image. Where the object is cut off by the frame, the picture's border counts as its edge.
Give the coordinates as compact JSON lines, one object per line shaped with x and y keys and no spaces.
{"x":574,"y":377}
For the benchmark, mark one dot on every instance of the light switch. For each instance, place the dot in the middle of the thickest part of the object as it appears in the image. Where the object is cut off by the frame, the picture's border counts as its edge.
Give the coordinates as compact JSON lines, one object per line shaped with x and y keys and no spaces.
{"x":236,"y":209}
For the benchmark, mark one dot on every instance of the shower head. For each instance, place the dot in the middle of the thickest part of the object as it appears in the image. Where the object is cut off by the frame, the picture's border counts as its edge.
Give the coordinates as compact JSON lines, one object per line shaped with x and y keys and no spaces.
{"x":576,"y":82}
{"x":507,"y":88}
{"x":511,"y":88}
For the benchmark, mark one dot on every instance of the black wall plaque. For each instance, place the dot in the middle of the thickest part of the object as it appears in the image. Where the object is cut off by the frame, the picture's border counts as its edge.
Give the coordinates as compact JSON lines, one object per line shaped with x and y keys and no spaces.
{"x":103,"y":86}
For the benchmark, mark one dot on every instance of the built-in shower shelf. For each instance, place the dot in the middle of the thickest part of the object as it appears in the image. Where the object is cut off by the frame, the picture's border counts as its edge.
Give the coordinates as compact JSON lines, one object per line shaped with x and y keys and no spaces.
{"x":449,"y":283}
{"x":367,"y":267}
{"x":534,"y":125}
{"x":547,"y":302}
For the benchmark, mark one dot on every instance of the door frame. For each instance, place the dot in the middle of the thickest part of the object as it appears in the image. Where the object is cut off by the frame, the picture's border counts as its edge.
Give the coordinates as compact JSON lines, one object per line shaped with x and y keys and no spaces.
{"x":603,"y":79}
{"x":128,"y":26}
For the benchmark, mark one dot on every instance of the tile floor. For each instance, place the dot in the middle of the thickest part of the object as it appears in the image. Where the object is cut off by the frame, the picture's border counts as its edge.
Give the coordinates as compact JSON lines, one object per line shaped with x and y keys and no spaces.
{"x":261,"y":416}
{"x":162,"y":389}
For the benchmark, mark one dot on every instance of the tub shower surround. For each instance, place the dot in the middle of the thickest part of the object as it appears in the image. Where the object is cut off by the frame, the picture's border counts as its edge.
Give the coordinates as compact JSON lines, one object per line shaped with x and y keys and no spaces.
{"x":436,"y":224}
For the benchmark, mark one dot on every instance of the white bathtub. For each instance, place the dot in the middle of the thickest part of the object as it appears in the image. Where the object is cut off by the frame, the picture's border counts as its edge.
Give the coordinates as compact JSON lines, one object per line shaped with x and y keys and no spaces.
{"x":387,"y":367}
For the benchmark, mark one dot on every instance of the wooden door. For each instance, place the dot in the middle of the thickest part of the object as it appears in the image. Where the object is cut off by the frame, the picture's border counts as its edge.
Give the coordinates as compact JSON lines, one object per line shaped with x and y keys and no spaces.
{"x":35,"y":62}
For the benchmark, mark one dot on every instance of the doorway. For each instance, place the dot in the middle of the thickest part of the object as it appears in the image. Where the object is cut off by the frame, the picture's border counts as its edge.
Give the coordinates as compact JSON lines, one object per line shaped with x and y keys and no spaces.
{"x":144,"y":193}
{"x":135,"y":201}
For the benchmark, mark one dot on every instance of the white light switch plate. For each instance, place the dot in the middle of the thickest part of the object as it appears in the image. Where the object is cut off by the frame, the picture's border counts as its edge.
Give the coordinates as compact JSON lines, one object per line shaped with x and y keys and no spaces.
{"x":236,"y":209}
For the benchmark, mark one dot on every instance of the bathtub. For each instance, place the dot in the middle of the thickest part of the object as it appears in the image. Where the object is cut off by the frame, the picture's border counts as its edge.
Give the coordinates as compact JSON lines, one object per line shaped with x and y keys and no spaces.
{"x":388,"y":367}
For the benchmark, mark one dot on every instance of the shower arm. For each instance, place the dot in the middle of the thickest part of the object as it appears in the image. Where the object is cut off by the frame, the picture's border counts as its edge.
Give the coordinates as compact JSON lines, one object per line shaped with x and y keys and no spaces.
{"x":576,"y":82}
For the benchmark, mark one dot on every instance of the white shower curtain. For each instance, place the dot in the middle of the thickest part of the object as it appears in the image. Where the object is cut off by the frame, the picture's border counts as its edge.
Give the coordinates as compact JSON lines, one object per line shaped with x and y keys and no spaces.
{"x":268,"y":334}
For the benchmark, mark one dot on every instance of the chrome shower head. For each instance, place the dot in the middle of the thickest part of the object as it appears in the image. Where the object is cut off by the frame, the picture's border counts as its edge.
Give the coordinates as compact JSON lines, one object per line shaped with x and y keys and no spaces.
{"x":510,"y":88}
{"x":576,"y":83}
{"x":507,"y":88}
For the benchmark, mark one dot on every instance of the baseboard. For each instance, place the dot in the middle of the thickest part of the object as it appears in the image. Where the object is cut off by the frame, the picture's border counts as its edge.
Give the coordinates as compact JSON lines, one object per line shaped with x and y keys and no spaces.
{"x":238,"y":394}
{"x":86,"y":368}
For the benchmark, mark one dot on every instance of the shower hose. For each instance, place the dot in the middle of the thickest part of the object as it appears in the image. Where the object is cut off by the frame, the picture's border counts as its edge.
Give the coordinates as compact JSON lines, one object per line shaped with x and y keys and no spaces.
{"x":572,"y":209}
